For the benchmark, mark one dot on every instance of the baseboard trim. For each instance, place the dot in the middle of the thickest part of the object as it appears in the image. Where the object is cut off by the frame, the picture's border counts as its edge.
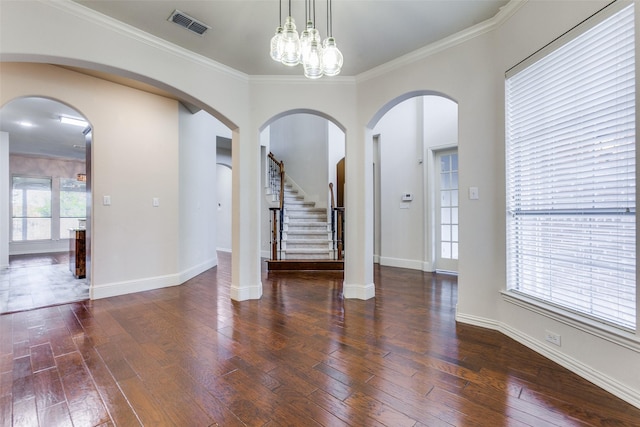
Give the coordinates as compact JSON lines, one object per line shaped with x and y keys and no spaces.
{"x":132,"y":286}
{"x":411,"y":264}
{"x":359,"y":291}
{"x":197,"y":269}
{"x":246,"y":292}
{"x":603,"y":381}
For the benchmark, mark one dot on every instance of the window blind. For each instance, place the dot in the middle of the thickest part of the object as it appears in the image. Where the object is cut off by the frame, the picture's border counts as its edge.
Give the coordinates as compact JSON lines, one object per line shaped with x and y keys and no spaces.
{"x":570,"y":134}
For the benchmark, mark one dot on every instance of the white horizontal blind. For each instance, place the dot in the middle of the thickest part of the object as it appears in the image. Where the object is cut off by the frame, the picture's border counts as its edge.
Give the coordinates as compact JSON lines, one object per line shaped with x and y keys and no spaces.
{"x":571,"y":223}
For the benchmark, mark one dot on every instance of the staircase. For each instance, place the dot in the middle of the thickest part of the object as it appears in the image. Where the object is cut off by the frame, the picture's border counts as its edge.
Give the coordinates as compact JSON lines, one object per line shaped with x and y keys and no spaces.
{"x":306,"y":239}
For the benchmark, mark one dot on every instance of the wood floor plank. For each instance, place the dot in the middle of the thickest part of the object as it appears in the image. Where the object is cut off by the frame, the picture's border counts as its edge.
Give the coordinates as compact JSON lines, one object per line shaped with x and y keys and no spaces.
{"x":48,"y":389}
{"x":114,"y":400}
{"x":6,"y":410}
{"x":56,"y":415}
{"x":147,"y":410}
{"x":299,"y":356}
{"x":25,"y":413}
{"x":41,"y":357}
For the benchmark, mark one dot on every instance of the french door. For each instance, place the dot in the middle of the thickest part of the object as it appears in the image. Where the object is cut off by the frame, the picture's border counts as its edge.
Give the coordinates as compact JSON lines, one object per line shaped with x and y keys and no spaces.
{"x":447,"y":210}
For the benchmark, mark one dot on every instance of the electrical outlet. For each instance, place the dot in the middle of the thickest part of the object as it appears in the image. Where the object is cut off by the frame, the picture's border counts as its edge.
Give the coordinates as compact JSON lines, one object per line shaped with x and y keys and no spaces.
{"x":552,"y":337}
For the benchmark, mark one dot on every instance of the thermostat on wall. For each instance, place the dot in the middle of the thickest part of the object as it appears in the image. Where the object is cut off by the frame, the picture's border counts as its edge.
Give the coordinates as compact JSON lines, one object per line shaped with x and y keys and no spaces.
{"x":407,"y":197}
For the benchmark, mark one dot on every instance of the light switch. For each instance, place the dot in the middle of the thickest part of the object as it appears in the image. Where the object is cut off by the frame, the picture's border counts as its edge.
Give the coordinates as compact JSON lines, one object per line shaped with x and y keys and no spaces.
{"x":473,"y":193}
{"x":106,"y":200}
{"x":156,"y":202}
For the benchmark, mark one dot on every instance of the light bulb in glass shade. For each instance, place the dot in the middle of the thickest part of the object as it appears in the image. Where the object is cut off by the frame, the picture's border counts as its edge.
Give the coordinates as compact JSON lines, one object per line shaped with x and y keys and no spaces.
{"x":313,"y":61}
{"x":331,"y":57}
{"x":305,"y":40}
{"x":291,"y":43}
{"x":277,"y":45}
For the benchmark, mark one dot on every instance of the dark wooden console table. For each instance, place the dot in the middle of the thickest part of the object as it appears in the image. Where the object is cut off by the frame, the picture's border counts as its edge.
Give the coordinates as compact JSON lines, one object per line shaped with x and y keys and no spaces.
{"x":77,"y":253}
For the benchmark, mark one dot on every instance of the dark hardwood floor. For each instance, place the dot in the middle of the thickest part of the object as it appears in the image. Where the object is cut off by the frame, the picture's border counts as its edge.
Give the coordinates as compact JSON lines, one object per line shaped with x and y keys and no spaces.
{"x":300,"y":356}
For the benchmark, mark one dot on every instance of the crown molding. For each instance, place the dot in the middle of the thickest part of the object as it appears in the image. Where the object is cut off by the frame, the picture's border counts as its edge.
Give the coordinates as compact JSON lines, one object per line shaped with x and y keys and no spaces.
{"x":460,"y":37}
{"x":107,"y":22}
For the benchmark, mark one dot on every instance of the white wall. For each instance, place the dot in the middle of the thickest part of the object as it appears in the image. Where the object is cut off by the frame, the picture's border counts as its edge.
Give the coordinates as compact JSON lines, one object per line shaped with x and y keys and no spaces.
{"x":300,"y":141}
{"x":197,"y":191}
{"x":5,"y":222}
{"x":402,"y":231}
{"x":335,"y":148}
{"x":408,"y":135}
{"x":134,"y":245}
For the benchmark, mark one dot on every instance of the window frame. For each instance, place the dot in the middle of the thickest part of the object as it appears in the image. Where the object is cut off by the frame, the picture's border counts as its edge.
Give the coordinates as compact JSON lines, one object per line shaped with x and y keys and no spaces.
{"x":26,"y":217}
{"x":614,"y":332}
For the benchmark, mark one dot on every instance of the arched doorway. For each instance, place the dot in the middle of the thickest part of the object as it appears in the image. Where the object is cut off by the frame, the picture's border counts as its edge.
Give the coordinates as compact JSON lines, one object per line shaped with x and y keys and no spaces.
{"x":415,"y":202}
{"x":49,"y":181}
{"x":310,"y":144}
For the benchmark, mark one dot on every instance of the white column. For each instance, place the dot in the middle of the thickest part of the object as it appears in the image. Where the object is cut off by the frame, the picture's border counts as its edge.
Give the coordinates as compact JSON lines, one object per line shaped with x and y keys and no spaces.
{"x":4,"y":200}
{"x":358,"y":268}
{"x":246,"y":281}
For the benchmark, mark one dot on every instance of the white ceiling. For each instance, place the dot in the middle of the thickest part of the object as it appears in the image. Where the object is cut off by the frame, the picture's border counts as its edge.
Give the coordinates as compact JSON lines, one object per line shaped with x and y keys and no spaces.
{"x":45,"y":136}
{"x":368,"y":32}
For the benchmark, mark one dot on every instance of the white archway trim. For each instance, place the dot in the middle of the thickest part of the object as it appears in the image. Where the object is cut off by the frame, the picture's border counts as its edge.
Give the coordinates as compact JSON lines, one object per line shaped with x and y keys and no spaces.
{"x":303,"y":111}
{"x":397,"y":100}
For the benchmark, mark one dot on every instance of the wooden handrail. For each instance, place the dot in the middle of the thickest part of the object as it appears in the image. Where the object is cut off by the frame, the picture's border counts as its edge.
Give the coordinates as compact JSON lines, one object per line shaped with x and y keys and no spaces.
{"x":280,"y":165}
{"x":337,"y":225}
{"x":333,"y":205}
{"x":277,"y":175}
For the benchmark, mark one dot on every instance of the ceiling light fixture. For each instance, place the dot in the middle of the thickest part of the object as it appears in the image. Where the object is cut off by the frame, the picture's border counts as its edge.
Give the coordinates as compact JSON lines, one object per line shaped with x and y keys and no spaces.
{"x":73,"y":121}
{"x":317,"y":57}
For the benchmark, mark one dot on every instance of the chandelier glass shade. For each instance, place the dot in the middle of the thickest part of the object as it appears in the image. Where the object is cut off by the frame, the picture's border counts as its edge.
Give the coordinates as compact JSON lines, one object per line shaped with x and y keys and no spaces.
{"x":318,"y":58}
{"x":277,"y":45}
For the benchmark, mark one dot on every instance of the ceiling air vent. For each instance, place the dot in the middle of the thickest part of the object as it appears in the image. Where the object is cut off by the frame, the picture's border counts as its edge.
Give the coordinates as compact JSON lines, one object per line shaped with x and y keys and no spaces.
{"x":188,"y":22}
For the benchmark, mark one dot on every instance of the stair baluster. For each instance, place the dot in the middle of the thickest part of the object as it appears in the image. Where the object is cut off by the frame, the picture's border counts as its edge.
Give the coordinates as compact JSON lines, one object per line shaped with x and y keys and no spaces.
{"x":276,"y":183}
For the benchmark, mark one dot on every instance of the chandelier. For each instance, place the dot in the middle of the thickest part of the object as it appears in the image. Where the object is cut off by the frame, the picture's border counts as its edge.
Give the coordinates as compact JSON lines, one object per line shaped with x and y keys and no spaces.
{"x":318,"y":58}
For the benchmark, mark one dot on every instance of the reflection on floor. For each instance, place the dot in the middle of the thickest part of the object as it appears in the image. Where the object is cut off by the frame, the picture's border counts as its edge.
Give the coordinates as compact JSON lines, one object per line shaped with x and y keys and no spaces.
{"x":40,"y":280}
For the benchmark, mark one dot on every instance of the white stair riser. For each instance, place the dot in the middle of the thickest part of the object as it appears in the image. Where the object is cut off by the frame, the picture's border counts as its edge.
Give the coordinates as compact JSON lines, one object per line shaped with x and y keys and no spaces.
{"x":306,"y":231}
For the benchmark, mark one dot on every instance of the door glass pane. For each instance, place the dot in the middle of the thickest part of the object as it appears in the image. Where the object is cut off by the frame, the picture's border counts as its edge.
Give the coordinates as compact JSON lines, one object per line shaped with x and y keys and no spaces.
{"x":449,"y":206}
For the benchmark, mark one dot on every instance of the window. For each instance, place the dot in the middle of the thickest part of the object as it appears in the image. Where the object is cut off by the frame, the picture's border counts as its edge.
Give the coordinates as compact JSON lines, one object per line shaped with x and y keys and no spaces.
{"x":571,"y":205}
{"x":31,"y":208}
{"x":73,"y":204}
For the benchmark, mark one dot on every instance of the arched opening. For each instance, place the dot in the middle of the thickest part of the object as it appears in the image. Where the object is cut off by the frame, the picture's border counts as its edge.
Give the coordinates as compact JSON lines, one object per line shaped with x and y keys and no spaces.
{"x":415,"y":175}
{"x":311,"y":146}
{"x":148,"y":171}
{"x":47,"y":174}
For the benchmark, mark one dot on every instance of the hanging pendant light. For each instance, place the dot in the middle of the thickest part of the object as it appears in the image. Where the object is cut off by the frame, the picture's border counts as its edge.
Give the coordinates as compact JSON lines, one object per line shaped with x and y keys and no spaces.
{"x":291,"y":42}
{"x":277,"y":45}
{"x":313,"y":64}
{"x":317,"y":57}
{"x":331,"y":56}
{"x":305,"y":36}
{"x":305,"y":41}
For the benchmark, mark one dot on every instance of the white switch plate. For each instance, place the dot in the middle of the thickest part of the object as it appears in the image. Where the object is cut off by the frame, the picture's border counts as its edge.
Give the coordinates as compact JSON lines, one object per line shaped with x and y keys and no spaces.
{"x":106,"y":200}
{"x":156,"y":202}
{"x":473,"y":193}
